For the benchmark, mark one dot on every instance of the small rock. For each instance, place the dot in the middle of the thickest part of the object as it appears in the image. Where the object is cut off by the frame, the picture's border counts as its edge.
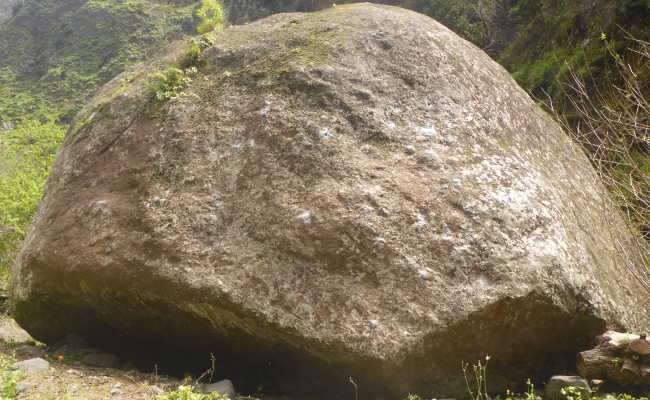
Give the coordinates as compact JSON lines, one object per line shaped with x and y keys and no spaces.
{"x":33,"y":365}
{"x":223,"y":387}
{"x":30,"y":351}
{"x":429,"y":157}
{"x":24,"y":386}
{"x":410,"y":149}
{"x":101,"y":360}
{"x":555,"y":385}
{"x":115,"y":392}
{"x":156,"y":389}
{"x":10,"y":332}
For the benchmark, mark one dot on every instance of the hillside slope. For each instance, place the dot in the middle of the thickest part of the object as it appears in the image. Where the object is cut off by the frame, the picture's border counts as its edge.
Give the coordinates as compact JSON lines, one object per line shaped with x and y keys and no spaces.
{"x":55,"y":54}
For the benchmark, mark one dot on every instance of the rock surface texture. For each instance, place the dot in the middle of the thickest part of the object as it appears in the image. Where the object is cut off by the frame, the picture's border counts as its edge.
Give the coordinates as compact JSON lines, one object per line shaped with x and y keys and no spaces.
{"x":356,"y":192}
{"x":7,"y":8}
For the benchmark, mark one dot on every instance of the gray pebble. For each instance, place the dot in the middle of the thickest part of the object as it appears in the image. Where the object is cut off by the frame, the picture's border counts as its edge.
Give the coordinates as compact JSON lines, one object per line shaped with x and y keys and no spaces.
{"x":224,"y":387}
{"x":33,"y":365}
{"x":553,"y":390}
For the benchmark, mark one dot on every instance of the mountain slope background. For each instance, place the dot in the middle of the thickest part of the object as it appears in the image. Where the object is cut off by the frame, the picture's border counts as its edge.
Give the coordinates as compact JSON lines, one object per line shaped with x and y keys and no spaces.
{"x":55,"y":54}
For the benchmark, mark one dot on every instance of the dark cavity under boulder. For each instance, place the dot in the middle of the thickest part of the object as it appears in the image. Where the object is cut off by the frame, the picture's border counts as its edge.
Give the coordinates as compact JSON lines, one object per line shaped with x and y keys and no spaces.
{"x":356,"y":192}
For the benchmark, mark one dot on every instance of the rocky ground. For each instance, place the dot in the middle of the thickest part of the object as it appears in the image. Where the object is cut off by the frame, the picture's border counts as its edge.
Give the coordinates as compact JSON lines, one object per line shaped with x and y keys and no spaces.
{"x":69,"y":371}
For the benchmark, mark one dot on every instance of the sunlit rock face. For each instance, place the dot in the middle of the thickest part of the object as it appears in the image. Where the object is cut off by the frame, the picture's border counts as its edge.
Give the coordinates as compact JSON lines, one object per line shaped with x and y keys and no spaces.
{"x":356,"y":192}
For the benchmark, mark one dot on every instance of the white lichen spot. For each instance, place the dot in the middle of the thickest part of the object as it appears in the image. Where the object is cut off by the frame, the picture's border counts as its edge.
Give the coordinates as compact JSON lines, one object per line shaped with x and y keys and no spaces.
{"x":429,"y":156}
{"x":481,"y":282}
{"x":306,"y":217}
{"x":426,"y":273}
{"x":365,"y":209}
{"x":325,"y":134}
{"x":429,"y":131}
{"x":420,"y":221}
{"x":445,"y":237}
{"x":266,"y":109}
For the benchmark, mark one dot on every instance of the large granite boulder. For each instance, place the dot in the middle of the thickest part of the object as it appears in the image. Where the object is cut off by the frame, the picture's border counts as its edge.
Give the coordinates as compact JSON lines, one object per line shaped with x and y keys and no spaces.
{"x":356,"y":192}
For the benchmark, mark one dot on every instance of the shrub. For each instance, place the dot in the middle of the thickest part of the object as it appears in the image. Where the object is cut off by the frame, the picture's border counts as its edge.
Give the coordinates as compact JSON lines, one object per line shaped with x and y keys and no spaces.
{"x":169,"y":83}
{"x":612,"y":122}
{"x":10,"y":376}
{"x":27,"y":154}
{"x":211,"y":16}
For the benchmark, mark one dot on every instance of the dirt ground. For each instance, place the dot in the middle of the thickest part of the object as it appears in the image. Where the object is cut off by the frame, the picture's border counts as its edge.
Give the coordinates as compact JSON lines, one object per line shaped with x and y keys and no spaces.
{"x":69,"y":379}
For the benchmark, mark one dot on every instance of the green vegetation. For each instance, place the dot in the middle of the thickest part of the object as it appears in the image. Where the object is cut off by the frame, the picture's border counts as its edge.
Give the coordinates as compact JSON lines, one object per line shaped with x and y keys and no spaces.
{"x":612,"y":123}
{"x":477,"y":388}
{"x":186,"y":393}
{"x":26,"y":156}
{"x":574,"y":393}
{"x":211,"y":16}
{"x":10,"y":377}
{"x":169,"y":83}
{"x":54,"y":55}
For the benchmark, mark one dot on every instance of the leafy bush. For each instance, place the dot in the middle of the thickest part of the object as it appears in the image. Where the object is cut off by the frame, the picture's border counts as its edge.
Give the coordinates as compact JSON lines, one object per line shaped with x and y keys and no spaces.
{"x":10,"y":376}
{"x":211,"y":16}
{"x":169,"y":83}
{"x":26,"y":155}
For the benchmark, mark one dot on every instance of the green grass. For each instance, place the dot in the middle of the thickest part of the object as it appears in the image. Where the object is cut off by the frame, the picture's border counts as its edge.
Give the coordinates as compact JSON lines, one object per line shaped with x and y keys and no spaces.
{"x":186,"y":393}
{"x":26,"y":156}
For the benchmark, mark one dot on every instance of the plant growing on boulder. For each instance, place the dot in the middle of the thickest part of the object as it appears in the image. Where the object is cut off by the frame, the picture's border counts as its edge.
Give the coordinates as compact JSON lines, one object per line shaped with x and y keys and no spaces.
{"x":169,"y":83}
